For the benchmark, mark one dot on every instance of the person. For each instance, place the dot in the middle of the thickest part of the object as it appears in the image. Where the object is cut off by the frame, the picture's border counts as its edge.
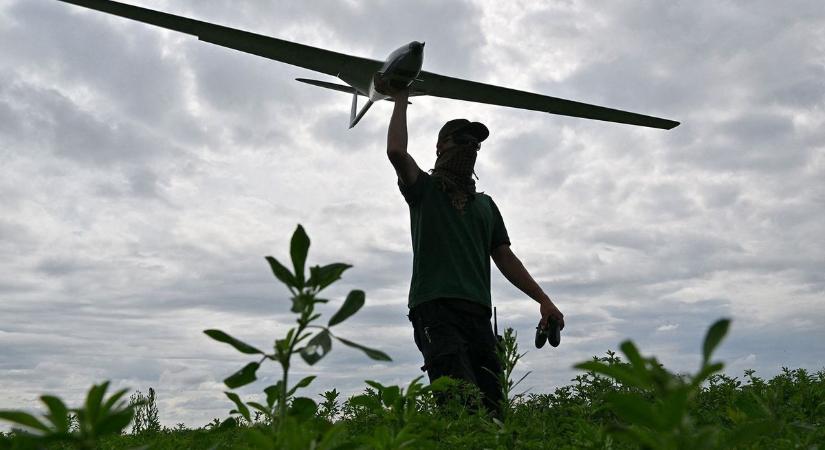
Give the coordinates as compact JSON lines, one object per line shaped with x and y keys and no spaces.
{"x":455,"y":232}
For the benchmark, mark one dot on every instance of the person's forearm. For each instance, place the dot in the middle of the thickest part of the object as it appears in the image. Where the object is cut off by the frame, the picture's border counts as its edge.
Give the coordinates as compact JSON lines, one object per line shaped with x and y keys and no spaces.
{"x":397,"y":133}
{"x":512,"y":269}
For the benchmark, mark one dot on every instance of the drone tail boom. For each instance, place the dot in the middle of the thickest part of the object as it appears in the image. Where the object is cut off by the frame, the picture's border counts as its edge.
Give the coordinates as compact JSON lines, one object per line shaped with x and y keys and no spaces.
{"x":355,"y":118}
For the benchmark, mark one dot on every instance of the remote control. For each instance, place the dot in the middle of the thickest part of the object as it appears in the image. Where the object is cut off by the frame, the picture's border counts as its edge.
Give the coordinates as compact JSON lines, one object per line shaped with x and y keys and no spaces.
{"x":551,"y":334}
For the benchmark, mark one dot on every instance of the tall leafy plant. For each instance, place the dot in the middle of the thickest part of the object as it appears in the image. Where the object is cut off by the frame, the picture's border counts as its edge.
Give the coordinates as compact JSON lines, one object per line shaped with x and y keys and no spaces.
{"x":658,"y":409}
{"x":400,"y":420}
{"x":146,"y":413}
{"x":308,"y":339}
{"x":509,"y":356}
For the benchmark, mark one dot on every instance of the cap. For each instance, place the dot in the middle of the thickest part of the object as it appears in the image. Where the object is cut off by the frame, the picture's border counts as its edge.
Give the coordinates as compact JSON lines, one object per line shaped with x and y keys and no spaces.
{"x":476,"y":129}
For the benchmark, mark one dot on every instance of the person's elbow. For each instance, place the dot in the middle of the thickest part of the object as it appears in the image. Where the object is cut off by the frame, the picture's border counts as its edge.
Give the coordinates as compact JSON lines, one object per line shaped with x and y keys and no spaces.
{"x":501,"y":254}
{"x":396,"y":152}
{"x":398,"y":156}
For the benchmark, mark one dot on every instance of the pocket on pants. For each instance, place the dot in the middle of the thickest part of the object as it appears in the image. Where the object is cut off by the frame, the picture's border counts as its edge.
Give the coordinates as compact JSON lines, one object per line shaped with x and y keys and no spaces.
{"x":434,"y":336}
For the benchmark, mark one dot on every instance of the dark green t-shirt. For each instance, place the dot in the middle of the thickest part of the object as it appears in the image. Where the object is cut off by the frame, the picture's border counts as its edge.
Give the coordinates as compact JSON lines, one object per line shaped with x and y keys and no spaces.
{"x":451,"y":250}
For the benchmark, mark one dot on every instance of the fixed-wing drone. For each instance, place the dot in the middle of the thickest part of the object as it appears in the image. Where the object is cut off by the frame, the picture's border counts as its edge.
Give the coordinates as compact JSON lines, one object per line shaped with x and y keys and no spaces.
{"x":370,"y":78}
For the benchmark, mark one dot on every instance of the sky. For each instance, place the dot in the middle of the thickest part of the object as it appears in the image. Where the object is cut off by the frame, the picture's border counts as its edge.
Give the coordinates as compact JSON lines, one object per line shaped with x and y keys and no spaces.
{"x":145,"y":175}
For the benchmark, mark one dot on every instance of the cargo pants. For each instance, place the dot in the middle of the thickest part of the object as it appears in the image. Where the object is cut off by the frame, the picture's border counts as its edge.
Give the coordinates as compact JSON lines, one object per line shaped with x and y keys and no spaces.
{"x":456,"y":339}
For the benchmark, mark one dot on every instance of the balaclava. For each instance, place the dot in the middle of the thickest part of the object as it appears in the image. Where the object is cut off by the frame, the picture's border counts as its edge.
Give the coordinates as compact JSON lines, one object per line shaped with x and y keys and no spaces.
{"x":454,"y":169}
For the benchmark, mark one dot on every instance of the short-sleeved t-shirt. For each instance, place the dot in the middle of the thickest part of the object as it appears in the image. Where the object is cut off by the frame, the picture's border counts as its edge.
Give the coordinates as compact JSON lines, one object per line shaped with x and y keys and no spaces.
{"x":451,"y":250}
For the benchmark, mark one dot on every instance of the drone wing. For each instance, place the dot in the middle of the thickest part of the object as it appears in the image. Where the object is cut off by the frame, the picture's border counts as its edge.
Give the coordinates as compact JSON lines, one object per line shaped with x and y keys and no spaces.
{"x":448,"y":87}
{"x":312,"y":58}
{"x":358,"y":71}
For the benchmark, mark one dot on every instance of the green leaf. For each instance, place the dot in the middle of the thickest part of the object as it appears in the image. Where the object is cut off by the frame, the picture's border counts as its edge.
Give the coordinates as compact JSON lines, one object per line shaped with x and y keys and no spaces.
{"x":301,"y":384}
{"x":316,"y":348}
{"x":58,"y":413}
{"x":706,"y":372}
{"x":303,"y":408}
{"x":242,"y":377}
{"x":282,"y":273}
{"x":291,"y":334}
{"x":258,"y":439}
{"x":643,"y":437}
{"x":242,"y":347}
{"x":282,"y":347}
{"x":749,"y":432}
{"x":298,"y":249}
{"x":242,"y":409}
{"x":621,"y":374}
{"x":369,"y":402}
{"x":25,"y":419}
{"x":263,"y":409}
{"x":273,"y":393}
{"x":110,"y":403}
{"x":637,"y":362}
{"x":321,"y":277}
{"x":715,"y":335}
{"x":442,"y":384}
{"x":93,"y":401}
{"x":372,"y":353}
{"x":114,"y":423}
{"x":674,"y":407}
{"x":633,"y":409}
{"x":334,"y":437}
{"x":390,"y":395}
{"x":632,"y":353}
{"x":228,"y":423}
{"x":354,"y":302}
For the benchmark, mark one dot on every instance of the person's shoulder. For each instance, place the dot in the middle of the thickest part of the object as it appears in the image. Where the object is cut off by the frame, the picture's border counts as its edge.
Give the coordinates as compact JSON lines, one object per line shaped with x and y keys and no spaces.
{"x":417,"y":190}
{"x":420,"y":178}
{"x":485,"y":197}
{"x":423,"y":177}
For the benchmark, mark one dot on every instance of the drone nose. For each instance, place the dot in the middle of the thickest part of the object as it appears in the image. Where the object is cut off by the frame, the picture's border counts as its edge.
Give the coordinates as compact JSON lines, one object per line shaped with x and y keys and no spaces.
{"x":416,"y":46}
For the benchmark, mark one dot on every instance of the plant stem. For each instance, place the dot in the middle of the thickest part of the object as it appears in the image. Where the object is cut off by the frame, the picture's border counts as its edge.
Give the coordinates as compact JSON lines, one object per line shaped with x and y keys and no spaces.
{"x":282,"y":403}
{"x":302,"y":324}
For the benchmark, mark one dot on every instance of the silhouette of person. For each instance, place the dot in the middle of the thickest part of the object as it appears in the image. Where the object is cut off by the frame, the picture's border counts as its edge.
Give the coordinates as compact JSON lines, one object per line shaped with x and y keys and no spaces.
{"x":455,"y":232}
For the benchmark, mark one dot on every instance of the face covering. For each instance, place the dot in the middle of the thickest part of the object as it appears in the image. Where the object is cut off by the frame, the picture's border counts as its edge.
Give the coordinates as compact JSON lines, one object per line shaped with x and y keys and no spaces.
{"x":454,"y":170}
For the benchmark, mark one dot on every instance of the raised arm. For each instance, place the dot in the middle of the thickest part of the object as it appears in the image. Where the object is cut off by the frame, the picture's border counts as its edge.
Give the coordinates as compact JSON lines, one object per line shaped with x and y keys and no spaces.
{"x":405,"y":166}
{"x":512,"y":269}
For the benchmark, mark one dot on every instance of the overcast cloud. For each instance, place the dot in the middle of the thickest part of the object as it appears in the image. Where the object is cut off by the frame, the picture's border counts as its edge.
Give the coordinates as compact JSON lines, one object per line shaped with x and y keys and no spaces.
{"x":146,"y":174}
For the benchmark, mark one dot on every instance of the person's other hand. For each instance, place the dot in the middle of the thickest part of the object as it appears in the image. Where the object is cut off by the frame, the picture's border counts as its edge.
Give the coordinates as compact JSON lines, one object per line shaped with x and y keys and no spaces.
{"x":382,"y":85}
{"x":548,"y":309}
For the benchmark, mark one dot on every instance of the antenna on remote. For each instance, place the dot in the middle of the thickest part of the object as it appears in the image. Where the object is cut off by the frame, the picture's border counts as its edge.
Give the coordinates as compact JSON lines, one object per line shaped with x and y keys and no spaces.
{"x":495,"y":321}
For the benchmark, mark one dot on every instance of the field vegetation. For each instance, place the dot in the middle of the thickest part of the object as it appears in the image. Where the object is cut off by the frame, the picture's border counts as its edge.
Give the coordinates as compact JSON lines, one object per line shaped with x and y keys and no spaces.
{"x":616,"y":402}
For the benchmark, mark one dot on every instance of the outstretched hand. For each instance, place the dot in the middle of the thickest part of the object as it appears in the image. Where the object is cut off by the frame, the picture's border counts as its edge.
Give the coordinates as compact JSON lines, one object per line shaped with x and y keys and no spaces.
{"x":548,"y":310}
{"x":401,"y":95}
{"x":383,"y":86}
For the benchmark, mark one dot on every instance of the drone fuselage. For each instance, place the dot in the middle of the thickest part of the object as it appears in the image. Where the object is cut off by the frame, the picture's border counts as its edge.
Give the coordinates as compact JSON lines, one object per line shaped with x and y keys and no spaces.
{"x":400,"y":69}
